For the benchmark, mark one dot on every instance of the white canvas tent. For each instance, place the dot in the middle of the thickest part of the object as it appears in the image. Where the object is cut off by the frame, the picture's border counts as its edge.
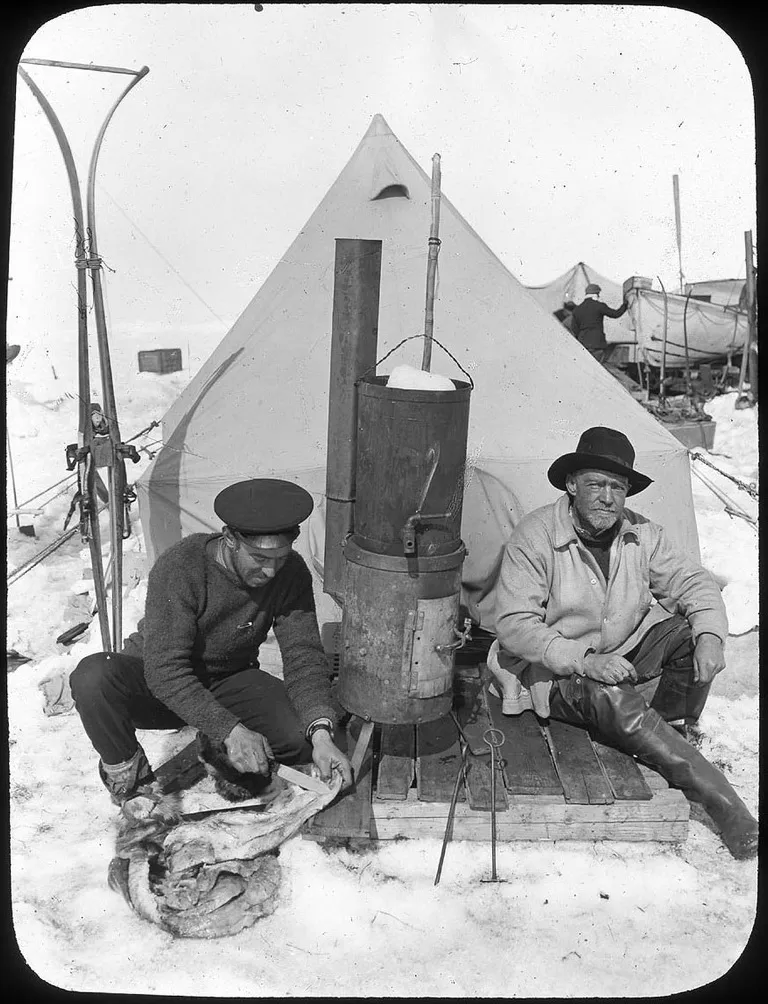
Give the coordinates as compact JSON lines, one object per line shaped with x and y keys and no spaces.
{"x":259,"y":405}
{"x":572,"y":285}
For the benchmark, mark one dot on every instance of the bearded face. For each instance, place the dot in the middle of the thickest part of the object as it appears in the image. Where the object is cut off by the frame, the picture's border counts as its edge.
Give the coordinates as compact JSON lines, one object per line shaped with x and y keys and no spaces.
{"x":598,"y":498}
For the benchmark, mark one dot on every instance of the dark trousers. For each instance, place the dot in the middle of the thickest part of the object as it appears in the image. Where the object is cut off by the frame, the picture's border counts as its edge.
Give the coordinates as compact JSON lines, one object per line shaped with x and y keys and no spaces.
{"x":664,"y":654}
{"x":113,"y":700}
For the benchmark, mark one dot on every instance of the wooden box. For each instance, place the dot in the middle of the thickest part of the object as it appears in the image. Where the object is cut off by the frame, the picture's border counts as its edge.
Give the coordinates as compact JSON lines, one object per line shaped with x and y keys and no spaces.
{"x":160,"y":361}
{"x":694,"y":435}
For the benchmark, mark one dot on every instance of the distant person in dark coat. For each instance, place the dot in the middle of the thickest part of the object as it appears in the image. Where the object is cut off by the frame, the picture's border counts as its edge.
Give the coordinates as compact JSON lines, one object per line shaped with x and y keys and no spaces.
{"x":587,"y":321}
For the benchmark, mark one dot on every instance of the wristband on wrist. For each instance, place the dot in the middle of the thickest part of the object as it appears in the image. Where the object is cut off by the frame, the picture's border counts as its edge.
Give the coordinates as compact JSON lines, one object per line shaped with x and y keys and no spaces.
{"x":321,"y":723}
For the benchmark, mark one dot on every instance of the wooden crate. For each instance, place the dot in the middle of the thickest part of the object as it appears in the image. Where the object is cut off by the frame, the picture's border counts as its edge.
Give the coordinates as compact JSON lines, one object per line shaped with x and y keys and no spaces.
{"x":693,"y":434}
{"x":159,"y":361}
{"x":555,"y":783}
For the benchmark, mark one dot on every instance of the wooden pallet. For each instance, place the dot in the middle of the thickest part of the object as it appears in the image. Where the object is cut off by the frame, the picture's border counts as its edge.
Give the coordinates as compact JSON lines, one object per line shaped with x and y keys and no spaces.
{"x":555,"y":783}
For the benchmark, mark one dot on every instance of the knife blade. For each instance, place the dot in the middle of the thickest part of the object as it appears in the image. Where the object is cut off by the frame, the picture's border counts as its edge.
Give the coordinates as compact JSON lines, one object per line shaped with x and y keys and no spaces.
{"x":302,"y":780}
{"x":253,"y":804}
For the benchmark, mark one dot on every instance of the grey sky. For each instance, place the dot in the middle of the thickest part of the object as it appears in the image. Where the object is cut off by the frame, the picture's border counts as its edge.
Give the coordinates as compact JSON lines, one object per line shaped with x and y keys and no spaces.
{"x":559,"y":127}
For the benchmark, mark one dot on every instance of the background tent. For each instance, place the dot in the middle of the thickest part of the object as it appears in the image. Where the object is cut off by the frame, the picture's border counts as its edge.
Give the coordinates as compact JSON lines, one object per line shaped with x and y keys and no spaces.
{"x":571,"y":286}
{"x":259,"y":406}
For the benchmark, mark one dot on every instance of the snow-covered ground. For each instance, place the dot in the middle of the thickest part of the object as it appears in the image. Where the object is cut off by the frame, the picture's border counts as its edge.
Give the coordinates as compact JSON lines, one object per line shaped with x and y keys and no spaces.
{"x":570,"y":918}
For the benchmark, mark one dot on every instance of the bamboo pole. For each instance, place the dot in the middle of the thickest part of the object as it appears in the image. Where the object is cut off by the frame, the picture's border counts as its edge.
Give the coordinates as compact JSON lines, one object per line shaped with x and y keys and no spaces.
{"x":434,"y":248}
{"x":678,"y":226}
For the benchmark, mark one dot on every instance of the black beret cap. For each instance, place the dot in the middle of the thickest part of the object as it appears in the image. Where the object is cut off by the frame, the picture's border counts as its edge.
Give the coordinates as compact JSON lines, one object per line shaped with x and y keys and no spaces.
{"x":263,"y":505}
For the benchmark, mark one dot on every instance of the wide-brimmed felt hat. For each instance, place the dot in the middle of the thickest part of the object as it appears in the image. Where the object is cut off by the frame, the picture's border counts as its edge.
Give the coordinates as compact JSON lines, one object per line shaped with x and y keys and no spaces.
{"x":603,"y":450}
{"x":263,"y":506}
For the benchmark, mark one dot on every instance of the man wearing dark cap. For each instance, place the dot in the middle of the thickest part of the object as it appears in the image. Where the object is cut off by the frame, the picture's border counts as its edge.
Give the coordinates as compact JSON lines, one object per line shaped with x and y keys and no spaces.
{"x":592,"y":600}
{"x":587,"y":321}
{"x":211,"y":601}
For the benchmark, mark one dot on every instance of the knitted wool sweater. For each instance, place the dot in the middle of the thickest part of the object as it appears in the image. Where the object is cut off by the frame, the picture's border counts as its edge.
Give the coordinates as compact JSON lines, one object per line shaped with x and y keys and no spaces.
{"x":202,"y":622}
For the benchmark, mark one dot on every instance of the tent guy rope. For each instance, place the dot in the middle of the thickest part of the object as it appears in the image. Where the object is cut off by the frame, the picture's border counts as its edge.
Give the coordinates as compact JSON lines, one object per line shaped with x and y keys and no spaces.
{"x":749,"y":488}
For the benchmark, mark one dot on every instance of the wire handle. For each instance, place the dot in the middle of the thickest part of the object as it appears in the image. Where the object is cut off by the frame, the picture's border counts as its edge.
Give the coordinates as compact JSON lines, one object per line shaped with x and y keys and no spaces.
{"x":410,"y":339}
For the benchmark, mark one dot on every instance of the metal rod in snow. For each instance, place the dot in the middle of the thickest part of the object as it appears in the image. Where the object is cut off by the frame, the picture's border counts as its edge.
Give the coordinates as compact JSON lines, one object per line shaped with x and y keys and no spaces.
{"x":434,"y":248}
{"x":678,"y":226}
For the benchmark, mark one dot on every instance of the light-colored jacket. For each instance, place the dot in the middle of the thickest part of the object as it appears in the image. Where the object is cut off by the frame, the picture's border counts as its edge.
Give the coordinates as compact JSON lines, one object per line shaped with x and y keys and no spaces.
{"x":552,"y":603}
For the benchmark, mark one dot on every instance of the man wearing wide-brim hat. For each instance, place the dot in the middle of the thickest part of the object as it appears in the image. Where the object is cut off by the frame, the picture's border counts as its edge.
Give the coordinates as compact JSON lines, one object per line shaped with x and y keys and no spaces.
{"x":593,"y":605}
{"x":211,"y":600}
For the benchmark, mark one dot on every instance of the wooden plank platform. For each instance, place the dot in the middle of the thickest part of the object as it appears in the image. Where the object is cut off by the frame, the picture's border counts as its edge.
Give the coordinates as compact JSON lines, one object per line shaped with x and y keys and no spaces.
{"x":623,"y":774}
{"x":577,"y":765}
{"x":573,"y":789}
{"x":397,"y":752}
{"x":471,"y":709}
{"x":557,"y":784}
{"x":528,"y":764}
{"x":438,"y":758}
{"x":349,"y":816}
{"x":536,"y":817}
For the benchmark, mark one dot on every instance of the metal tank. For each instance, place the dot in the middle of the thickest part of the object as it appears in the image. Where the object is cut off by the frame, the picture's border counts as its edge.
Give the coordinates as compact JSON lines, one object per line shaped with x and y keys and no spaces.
{"x":403,"y":561}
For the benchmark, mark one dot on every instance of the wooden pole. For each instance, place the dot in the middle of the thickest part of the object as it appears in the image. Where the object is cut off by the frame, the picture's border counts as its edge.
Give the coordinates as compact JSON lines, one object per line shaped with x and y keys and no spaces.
{"x":86,"y":255}
{"x":751,"y":325}
{"x":678,"y":226}
{"x":434,"y":248}
{"x":663,"y":373}
{"x":688,"y":385}
{"x":79,"y":66}
{"x":117,"y":467}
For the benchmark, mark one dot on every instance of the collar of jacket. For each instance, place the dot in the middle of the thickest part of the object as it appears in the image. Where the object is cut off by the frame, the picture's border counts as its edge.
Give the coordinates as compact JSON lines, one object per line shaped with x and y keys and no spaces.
{"x":565,"y":532}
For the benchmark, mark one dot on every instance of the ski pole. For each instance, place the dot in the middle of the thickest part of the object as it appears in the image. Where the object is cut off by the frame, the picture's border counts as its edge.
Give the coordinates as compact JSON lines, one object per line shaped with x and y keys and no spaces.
{"x":27,"y":529}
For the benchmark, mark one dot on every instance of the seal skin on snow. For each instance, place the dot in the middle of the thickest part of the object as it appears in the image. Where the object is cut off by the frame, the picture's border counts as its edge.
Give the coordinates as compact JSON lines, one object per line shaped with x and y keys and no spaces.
{"x":212,"y":877}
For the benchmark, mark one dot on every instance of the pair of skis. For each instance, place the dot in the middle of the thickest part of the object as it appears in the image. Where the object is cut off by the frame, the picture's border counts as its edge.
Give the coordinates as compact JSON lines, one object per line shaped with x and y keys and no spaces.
{"x":99,"y":445}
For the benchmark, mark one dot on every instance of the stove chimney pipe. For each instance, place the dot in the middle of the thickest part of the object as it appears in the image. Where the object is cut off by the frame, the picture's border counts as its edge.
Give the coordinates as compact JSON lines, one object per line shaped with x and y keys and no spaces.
{"x":354,"y":341}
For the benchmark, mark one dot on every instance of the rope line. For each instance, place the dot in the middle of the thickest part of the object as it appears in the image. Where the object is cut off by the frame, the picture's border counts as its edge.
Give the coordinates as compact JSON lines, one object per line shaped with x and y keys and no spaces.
{"x":70,"y":478}
{"x":731,"y":507}
{"x":164,"y":259}
{"x":27,"y":566}
{"x":749,"y":488}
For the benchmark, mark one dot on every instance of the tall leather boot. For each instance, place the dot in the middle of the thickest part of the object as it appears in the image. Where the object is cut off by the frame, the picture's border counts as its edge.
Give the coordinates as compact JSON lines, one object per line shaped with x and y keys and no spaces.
{"x":661,"y":747}
{"x":619,"y":716}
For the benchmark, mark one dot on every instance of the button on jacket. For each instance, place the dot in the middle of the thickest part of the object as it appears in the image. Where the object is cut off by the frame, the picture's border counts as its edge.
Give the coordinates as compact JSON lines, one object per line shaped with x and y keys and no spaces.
{"x":552,"y":602}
